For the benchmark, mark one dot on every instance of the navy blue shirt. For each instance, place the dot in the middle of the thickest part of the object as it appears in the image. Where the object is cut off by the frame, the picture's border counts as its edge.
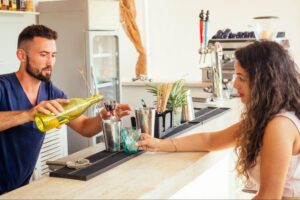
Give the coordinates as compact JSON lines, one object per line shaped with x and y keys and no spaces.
{"x":20,"y":145}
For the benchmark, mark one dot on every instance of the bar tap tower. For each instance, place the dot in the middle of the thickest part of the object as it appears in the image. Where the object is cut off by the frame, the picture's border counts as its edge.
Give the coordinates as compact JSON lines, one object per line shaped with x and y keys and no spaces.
{"x":214,"y":54}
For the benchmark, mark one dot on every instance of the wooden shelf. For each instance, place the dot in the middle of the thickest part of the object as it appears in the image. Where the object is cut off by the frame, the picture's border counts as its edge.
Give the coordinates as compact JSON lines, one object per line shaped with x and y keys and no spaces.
{"x":19,"y":12}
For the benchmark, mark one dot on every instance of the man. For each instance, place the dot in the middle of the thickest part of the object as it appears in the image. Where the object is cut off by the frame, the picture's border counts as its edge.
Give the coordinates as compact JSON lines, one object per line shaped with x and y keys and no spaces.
{"x":22,"y":95}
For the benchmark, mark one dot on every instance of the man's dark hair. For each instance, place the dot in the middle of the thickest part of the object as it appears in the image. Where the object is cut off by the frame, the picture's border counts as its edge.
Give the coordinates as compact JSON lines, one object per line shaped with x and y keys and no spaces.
{"x":36,"y":31}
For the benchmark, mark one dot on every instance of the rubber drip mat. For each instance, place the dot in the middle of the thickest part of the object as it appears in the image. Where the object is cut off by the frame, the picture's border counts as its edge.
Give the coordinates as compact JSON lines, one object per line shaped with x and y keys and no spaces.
{"x":104,"y":161}
{"x":201,"y":116}
{"x":202,"y":111}
{"x":177,"y":130}
{"x":209,"y":115}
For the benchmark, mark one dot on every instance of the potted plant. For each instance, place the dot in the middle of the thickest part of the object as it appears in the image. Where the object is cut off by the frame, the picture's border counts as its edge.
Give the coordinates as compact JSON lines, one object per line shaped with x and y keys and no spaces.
{"x":176,"y":100}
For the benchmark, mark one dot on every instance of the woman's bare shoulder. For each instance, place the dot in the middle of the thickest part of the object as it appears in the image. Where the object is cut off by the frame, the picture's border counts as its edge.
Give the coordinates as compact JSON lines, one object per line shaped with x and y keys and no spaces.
{"x":282,"y":130}
{"x":282,"y":123}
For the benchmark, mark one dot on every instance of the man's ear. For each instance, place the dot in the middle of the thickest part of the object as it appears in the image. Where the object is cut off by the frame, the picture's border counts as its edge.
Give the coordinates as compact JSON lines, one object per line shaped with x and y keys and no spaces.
{"x":21,"y":54}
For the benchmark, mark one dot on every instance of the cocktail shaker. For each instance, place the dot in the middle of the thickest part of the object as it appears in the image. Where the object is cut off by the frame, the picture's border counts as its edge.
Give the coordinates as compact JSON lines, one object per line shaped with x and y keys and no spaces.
{"x":145,"y":118}
{"x":112,"y":134}
{"x":188,"y":113}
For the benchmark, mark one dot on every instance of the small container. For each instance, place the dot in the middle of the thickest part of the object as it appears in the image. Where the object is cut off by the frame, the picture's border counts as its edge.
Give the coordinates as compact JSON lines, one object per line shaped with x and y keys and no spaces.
{"x":112,"y":134}
{"x":145,"y":120}
{"x":129,"y":138}
{"x":266,"y":27}
{"x":163,"y":121}
{"x":29,"y":5}
{"x":21,"y":5}
{"x":4,"y":4}
{"x":188,"y":109}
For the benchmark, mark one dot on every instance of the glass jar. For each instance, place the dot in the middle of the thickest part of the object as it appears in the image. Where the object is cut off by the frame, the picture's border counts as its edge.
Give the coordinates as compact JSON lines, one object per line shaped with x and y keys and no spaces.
{"x":266,"y":27}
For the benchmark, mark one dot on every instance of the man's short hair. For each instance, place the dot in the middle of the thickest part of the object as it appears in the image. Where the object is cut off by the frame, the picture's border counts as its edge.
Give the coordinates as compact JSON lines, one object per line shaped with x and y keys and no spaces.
{"x":36,"y":31}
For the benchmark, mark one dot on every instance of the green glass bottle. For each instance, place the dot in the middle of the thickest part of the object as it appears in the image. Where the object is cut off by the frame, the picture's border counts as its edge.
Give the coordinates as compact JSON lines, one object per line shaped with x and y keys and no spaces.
{"x":72,"y":110}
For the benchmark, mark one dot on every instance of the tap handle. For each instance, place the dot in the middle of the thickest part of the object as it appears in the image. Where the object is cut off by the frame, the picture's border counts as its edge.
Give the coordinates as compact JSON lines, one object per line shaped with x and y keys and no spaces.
{"x":206,"y":28}
{"x":201,"y":16}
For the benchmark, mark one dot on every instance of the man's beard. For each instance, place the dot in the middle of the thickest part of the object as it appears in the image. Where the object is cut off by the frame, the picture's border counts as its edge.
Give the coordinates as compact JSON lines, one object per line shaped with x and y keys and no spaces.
{"x":35,"y":74}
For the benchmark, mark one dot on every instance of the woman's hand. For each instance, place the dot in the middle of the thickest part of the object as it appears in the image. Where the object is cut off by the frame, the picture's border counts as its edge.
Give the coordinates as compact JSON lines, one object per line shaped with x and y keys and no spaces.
{"x":149,"y":143}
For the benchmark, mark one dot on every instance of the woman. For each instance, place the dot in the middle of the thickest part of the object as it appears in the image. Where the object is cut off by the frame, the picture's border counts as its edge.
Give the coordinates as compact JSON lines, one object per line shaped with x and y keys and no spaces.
{"x":267,"y":139}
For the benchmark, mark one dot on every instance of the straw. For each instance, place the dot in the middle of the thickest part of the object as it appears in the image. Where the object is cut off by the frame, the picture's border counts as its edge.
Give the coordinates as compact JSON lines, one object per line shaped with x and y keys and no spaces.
{"x":163,"y":93}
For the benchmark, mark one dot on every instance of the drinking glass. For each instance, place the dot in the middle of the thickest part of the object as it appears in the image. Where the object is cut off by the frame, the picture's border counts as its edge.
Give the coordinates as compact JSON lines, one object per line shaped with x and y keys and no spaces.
{"x":129,"y":138}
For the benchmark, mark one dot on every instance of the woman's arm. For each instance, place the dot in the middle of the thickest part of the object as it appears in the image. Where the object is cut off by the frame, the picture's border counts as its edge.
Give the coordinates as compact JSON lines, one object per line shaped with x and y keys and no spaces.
{"x":196,"y":142}
{"x":208,"y":141}
{"x":277,"y":149}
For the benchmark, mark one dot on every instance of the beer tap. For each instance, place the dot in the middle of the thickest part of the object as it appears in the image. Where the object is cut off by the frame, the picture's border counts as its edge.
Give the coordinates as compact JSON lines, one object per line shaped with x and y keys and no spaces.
{"x":217,"y":87}
{"x":206,"y":28}
{"x":204,"y":49}
{"x":214,"y":52}
{"x":201,"y":27}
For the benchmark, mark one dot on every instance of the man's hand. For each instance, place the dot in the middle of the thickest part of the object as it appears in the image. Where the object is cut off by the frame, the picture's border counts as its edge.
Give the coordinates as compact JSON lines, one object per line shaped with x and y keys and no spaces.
{"x":120,"y":111}
{"x":47,"y":107}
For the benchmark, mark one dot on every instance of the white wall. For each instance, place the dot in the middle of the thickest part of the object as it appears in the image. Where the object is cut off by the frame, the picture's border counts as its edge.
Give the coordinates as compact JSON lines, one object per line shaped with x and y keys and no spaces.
{"x":173,"y":37}
{"x":171,"y":33}
{"x":11,"y":25}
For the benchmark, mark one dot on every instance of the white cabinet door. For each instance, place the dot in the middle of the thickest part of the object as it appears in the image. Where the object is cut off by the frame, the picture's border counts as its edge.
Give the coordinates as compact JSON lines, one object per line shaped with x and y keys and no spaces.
{"x":103,"y":63}
{"x":54,"y":147}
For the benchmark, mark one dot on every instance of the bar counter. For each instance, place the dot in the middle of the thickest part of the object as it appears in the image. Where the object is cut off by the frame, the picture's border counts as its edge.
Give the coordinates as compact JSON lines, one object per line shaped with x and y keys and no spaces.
{"x":147,"y":176}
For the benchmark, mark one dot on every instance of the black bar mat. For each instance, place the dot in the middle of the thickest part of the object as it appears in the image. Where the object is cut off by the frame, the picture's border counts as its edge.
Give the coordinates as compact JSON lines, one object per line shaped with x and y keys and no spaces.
{"x":203,"y":116}
{"x":104,"y":161}
{"x":177,"y":130}
{"x":210,"y":114}
{"x":202,"y":111}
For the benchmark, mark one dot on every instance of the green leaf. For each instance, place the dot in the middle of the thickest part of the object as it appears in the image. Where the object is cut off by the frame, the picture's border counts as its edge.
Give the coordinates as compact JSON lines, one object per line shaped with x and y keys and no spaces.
{"x":177,"y":96}
{"x":152,"y":89}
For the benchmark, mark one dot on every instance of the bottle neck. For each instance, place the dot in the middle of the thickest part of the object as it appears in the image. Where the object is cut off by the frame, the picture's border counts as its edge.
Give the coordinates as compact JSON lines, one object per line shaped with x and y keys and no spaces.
{"x":94,"y":99}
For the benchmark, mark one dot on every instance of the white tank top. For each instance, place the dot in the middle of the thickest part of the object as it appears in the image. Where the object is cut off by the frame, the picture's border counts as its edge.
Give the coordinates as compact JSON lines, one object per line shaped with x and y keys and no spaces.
{"x":292,"y":183}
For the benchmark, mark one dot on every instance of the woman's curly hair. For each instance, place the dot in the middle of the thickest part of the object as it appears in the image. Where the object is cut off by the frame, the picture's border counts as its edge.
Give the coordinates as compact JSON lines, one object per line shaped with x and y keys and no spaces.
{"x":274,"y":85}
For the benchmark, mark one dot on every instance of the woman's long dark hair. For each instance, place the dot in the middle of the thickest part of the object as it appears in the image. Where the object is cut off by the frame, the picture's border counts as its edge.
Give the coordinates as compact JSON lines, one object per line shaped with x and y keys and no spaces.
{"x":274,"y":85}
